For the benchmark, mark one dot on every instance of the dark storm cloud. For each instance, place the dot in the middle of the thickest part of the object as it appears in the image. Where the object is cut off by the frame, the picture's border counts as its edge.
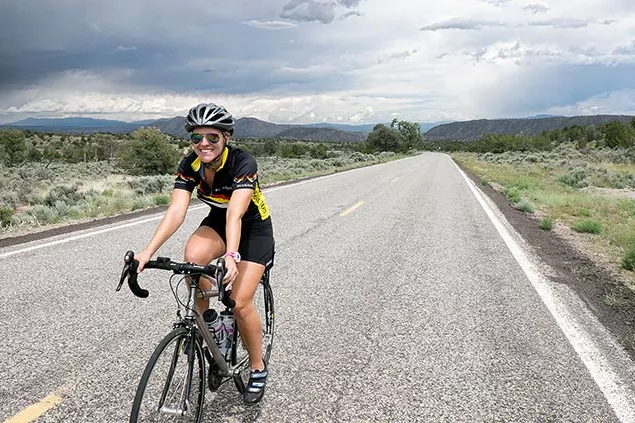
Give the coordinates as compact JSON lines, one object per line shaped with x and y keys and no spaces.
{"x":165,"y":47}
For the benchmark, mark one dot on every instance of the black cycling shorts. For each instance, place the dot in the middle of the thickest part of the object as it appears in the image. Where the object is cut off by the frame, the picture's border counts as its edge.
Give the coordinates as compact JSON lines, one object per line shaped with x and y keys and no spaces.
{"x":256,"y":241}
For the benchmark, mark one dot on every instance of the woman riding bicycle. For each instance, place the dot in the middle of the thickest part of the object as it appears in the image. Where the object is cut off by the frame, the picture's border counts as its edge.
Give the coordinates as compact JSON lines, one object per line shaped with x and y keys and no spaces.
{"x":238,"y":226}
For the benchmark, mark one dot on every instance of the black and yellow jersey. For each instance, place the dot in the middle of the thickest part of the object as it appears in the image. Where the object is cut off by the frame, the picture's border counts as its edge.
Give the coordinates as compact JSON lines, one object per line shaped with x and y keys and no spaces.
{"x":237,"y":170}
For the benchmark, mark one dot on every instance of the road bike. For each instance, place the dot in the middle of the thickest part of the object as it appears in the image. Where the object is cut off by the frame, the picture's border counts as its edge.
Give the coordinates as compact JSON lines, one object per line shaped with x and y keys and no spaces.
{"x":175,"y":379}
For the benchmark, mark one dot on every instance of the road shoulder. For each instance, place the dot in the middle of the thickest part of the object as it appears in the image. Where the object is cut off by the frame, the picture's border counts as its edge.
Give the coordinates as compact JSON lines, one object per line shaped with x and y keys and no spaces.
{"x":572,"y":267}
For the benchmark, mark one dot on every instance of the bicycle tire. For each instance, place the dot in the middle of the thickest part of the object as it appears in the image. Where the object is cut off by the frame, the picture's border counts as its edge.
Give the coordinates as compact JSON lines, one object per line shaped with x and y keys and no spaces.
{"x":268,"y":324}
{"x":178,"y":338}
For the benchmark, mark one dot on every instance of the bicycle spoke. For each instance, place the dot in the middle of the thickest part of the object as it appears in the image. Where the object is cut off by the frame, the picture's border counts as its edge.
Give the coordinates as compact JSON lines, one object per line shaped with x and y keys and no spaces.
{"x":172,"y":387}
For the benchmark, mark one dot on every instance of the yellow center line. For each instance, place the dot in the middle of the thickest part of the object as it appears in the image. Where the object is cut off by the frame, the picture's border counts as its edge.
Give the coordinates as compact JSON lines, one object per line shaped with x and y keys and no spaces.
{"x":396,"y":179}
{"x":352,"y":209}
{"x":34,"y":411}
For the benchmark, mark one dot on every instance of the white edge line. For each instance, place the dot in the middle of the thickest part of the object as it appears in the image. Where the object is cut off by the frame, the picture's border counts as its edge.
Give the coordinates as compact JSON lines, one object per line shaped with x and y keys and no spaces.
{"x":150,"y":219}
{"x":615,"y":391}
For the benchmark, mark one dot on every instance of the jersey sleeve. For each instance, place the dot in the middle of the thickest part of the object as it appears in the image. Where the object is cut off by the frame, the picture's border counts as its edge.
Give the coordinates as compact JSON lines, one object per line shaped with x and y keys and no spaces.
{"x":186,"y":178}
{"x":246,"y":174}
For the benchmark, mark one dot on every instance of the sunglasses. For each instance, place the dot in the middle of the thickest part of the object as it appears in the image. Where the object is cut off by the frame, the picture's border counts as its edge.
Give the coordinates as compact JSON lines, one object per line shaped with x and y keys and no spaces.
{"x":212,"y":138}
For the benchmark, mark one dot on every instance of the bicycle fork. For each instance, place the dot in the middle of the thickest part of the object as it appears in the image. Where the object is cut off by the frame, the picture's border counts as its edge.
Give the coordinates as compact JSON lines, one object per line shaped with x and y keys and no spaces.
{"x":184,"y":402}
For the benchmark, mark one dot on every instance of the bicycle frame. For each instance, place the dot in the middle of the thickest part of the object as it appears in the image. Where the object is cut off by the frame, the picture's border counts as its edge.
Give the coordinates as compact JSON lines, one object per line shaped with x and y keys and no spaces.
{"x":193,"y":313}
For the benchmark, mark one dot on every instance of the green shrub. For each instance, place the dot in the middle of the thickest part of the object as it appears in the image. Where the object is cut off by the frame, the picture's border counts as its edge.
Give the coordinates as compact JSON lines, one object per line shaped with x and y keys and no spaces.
{"x":68,"y":194}
{"x":44,"y":214}
{"x":161,"y":200}
{"x":512,"y":193}
{"x":525,"y":205}
{"x":617,"y":299}
{"x":6,"y":214}
{"x":575,"y":178}
{"x":147,"y":185}
{"x":9,"y":198}
{"x":628,"y":261}
{"x":61,"y":208}
{"x":149,"y":153}
{"x":584,"y":212}
{"x":140,"y":203}
{"x":547,"y":223}
{"x":587,"y":226}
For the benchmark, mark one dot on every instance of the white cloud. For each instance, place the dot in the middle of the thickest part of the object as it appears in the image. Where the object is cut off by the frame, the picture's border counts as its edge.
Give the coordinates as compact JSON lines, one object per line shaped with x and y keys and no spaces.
{"x":536,"y":8}
{"x":615,"y":102}
{"x":462,"y":24}
{"x":317,"y":60}
{"x":272,"y":25}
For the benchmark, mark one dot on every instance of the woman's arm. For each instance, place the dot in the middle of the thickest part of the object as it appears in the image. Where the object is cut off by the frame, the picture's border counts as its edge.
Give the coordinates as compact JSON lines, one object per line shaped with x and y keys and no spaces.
{"x":172,"y":220}
{"x":237,"y":207}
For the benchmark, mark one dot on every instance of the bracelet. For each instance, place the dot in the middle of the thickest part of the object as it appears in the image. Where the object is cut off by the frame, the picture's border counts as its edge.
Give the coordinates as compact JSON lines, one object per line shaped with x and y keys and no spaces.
{"x":234,"y":255}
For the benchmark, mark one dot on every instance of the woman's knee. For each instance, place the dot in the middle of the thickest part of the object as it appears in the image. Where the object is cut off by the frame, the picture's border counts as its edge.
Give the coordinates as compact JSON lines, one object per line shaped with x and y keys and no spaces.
{"x":203,"y":246}
{"x":244,"y":306}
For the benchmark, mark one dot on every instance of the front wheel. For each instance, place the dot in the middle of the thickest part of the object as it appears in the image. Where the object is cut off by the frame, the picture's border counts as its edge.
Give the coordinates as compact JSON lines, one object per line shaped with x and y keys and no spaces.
{"x":172,"y":387}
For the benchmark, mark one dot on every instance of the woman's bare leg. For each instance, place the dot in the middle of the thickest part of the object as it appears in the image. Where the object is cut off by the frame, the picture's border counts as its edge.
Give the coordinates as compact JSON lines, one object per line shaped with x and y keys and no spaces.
{"x":249,"y":324}
{"x":204,"y":246}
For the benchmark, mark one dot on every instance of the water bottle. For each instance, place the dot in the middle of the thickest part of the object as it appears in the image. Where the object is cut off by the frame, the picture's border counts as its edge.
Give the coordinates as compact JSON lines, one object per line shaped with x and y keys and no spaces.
{"x":227,"y":317}
{"x":215,"y":325}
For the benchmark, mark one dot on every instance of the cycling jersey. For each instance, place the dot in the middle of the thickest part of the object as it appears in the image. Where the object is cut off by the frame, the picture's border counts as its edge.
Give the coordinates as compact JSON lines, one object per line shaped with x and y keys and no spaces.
{"x":237,"y":170}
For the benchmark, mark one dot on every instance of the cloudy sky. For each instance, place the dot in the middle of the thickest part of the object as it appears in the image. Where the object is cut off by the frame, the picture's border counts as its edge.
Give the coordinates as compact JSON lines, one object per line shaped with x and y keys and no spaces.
{"x":301,"y":61}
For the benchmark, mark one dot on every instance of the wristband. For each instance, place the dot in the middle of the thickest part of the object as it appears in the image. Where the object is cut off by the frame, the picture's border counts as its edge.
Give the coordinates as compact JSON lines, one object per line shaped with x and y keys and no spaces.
{"x":234,"y":255}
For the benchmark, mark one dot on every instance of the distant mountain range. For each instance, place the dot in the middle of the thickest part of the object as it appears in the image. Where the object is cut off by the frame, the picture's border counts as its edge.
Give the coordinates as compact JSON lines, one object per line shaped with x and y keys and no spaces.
{"x":474,"y":129}
{"x":245,"y":128}
{"x":249,"y":127}
{"x":80,"y":125}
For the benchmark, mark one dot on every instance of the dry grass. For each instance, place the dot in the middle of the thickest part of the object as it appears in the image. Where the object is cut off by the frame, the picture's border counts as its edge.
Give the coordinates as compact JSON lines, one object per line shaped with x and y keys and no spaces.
{"x":597,"y":207}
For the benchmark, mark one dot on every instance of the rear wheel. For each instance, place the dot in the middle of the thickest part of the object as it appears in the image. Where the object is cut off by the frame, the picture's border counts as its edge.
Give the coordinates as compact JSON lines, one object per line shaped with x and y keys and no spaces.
{"x":172,"y":387}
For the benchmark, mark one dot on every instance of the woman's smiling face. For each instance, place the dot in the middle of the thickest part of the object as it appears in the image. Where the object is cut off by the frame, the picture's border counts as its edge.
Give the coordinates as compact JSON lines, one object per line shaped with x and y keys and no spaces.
{"x":206,"y":149}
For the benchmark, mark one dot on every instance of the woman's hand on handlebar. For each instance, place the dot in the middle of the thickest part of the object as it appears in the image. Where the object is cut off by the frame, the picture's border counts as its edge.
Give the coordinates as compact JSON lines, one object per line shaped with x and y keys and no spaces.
{"x":143,"y":257}
{"x":230,"y":274}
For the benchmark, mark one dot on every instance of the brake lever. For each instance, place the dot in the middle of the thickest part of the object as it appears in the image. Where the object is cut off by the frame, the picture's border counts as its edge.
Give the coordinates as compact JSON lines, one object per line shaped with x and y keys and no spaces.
{"x":130,"y":270}
{"x":220,"y":275}
{"x":126,"y":269}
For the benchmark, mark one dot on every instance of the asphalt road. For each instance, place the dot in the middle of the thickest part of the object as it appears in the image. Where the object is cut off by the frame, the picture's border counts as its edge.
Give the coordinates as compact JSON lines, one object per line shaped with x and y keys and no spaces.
{"x":396,"y":300}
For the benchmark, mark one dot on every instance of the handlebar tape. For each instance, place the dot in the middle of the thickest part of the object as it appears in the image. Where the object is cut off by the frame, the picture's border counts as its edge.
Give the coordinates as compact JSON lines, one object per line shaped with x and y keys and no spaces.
{"x":132,"y":276}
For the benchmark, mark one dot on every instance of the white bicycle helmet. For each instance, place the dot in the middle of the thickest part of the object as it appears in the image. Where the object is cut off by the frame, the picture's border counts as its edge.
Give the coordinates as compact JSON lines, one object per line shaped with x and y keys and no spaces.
{"x":209,"y":114}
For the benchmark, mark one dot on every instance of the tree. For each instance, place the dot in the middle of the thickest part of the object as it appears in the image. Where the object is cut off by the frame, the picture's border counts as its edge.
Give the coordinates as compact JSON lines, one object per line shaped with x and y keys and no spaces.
{"x":33,"y":154}
{"x":271,"y":147}
{"x":383,"y":138}
{"x":319,"y":151}
{"x":616,"y":134}
{"x":149,"y":153}
{"x":410,"y":132}
{"x":14,"y":145}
